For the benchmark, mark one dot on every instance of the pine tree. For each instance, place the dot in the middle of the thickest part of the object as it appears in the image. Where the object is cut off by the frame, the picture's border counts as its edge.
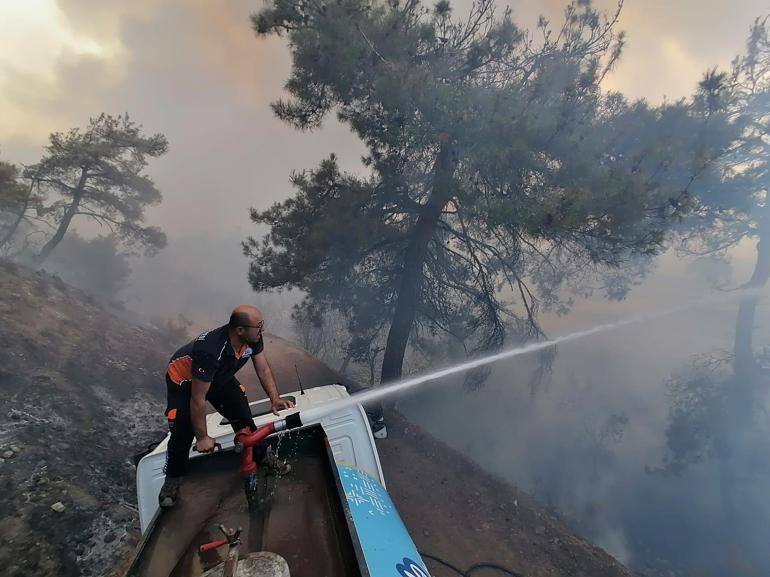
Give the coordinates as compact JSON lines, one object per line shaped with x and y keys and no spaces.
{"x":500,"y":174}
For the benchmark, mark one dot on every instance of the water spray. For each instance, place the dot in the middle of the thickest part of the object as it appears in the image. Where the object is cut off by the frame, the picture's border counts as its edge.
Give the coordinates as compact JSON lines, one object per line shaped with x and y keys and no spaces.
{"x":372,"y":395}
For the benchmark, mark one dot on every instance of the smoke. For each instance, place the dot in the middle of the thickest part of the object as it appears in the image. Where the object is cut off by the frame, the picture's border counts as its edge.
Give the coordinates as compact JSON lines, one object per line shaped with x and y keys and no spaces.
{"x":584,"y":443}
{"x":195,"y":72}
{"x":203,"y":278}
{"x":95,"y":265}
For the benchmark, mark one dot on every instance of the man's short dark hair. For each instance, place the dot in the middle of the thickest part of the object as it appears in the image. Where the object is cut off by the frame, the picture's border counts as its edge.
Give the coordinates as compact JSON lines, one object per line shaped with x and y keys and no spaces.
{"x":239,"y":319}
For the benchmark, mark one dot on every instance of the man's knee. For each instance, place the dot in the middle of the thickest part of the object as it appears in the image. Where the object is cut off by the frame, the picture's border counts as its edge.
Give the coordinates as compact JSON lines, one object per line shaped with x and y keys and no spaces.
{"x":233,"y":404}
{"x":241,"y":422}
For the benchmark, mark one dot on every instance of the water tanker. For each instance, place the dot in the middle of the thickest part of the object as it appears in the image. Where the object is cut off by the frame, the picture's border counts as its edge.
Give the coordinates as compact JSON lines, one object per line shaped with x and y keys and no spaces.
{"x":329,"y":516}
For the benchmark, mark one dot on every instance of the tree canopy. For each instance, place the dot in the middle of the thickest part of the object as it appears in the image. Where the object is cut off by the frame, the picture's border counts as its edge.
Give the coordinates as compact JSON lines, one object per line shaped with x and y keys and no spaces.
{"x":499,"y":172}
{"x":97,"y":173}
{"x":11,"y":191}
{"x":16,"y":198}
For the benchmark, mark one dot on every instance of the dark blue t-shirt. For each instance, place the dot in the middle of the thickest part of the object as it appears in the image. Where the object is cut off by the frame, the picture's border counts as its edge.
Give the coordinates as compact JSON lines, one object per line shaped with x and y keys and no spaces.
{"x":210,"y":358}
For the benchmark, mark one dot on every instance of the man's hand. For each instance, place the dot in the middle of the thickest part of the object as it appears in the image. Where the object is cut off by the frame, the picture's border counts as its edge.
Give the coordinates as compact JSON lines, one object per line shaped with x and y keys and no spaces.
{"x":205,"y":444}
{"x":281,"y":404}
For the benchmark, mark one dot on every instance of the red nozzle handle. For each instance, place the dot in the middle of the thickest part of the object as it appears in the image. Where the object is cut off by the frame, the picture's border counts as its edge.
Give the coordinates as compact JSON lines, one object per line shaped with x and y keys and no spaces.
{"x":213,"y":545}
{"x":245,"y":439}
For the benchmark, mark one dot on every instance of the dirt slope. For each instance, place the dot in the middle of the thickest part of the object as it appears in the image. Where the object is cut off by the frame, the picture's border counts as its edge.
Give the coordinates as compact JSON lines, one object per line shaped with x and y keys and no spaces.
{"x":79,"y":396}
{"x":462,"y":514}
{"x":82,"y":392}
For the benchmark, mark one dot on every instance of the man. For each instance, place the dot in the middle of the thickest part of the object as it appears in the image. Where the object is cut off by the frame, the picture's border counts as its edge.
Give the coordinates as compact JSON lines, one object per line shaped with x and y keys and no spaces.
{"x":204,"y":370}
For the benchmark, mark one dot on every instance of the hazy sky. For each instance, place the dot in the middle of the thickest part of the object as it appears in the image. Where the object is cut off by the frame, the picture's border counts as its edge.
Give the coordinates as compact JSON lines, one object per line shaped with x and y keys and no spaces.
{"x":193,"y":70}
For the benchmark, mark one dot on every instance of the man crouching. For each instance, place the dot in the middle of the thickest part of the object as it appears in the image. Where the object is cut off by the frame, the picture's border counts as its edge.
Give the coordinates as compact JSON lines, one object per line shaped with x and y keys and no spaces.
{"x":204,"y":370}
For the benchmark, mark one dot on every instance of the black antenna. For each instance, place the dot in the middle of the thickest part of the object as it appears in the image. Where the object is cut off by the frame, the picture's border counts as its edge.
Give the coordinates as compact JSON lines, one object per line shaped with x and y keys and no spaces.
{"x":301,"y":390}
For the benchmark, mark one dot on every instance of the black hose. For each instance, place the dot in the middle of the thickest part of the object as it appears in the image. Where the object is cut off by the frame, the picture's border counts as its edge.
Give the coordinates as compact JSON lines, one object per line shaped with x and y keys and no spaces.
{"x":444,"y":563}
{"x":472,"y":568}
{"x":494,"y":567}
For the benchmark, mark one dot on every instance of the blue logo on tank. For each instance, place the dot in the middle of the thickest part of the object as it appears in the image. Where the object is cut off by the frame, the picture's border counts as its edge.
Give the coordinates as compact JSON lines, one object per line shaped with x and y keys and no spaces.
{"x":408,"y":568}
{"x":385,"y":542}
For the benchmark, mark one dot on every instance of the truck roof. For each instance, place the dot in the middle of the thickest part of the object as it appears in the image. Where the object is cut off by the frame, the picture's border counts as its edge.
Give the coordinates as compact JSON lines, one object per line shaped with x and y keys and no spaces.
{"x":348,"y":431}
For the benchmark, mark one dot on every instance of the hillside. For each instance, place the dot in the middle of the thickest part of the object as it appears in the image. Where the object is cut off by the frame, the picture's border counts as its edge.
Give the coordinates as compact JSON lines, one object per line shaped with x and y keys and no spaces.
{"x":83,"y":392}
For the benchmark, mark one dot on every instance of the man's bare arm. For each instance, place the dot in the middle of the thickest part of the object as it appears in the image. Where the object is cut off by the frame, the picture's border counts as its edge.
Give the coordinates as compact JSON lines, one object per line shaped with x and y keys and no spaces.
{"x":265,"y":375}
{"x":267,"y":381}
{"x":198,"y":408}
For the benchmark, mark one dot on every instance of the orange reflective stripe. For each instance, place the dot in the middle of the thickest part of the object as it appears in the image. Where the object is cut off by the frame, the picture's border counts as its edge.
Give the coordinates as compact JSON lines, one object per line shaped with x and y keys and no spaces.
{"x":243,"y":389}
{"x":171,"y":415}
{"x":180,"y":369}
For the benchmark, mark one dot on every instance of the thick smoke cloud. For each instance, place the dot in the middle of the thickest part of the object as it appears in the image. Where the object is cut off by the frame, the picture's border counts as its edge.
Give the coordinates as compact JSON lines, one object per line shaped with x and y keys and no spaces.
{"x":583,"y":443}
{"x":195,"y":72}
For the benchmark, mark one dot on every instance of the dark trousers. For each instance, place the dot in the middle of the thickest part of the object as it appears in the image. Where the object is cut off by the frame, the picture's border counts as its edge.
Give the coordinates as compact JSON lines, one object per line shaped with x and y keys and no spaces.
{"x":229,"y":399}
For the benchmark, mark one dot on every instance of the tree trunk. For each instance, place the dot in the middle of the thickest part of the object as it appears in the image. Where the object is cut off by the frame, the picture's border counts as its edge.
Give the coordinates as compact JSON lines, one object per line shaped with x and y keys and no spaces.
{"x":744,"y":326}
{"x":344,"y":366}
{"x":414,"y":260}
{"x":69,"y":214}
{"x":15,"y":225}
{"x":741,"y":394}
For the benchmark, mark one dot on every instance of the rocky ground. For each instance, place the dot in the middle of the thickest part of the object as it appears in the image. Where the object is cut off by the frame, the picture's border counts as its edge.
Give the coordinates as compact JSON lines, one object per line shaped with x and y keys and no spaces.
{"x":82,"y":393}
{"x":77,"y":402}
